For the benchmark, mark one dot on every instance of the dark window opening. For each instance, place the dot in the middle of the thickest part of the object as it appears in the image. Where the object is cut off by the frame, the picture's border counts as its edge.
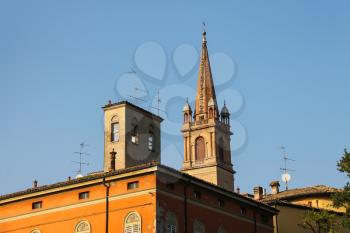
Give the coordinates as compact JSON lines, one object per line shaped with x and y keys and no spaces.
{"x":135,"y":135}
{"x":84,"y":195}
{"x":243,"y":211}
{"x":133,"y":185}
{"x":197,"y":195}
{"x":221,"y":203}
{"x":37,"y":205}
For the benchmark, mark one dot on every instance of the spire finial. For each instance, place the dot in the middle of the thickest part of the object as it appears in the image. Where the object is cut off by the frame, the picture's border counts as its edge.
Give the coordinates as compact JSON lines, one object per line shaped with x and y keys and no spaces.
{"x":204,"y":33}
{"x":224,"y":102}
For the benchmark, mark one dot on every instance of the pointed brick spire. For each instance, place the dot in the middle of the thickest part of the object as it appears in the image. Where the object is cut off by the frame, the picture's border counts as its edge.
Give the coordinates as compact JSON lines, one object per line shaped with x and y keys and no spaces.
{"x":205,"y":85}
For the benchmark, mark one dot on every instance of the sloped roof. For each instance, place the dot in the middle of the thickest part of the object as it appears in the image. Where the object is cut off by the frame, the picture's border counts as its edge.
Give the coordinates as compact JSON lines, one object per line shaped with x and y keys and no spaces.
{"x":300,"y":192}
{"x":99,"y":175}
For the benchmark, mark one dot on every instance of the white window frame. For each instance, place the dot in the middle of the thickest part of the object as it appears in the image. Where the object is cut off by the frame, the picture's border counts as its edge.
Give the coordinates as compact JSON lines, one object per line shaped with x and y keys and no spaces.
{"x":133,"y":227}
{"x":76,"y":230}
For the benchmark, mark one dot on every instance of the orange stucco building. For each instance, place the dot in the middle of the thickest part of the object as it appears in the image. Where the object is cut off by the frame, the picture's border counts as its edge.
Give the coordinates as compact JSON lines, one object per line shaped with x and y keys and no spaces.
{"x":135,"y":193}
{"x":158,"y":198}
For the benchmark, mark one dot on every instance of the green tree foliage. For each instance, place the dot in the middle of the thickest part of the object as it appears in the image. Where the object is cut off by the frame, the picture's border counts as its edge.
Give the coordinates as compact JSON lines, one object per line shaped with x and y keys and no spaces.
{"x":323,"y":221}
{"x":342,"y":198}
{"x":320,"y":221}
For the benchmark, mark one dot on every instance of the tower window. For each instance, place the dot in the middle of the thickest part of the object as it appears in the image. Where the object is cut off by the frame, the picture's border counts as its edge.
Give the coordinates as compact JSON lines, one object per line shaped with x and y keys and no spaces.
{"x":200,"y":148}
{"x":135,"y":135}
{"x":151,"y":141}
{"x":115,"y":132}
{"x":185,"y":117}
{"x":37,"y":205}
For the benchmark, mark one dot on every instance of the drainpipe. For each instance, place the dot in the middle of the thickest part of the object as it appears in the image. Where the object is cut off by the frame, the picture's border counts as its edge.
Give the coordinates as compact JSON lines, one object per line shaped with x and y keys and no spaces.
{"x":255,"y":226}
{"x":107,"y":185}
{"x":185,"y":206}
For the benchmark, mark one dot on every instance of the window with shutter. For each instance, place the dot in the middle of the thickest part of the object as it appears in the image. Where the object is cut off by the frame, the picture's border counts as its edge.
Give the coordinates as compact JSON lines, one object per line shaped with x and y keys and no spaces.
{"x":171,"y":222}
{"x":83,"y":227}
{"x":132,"y":223}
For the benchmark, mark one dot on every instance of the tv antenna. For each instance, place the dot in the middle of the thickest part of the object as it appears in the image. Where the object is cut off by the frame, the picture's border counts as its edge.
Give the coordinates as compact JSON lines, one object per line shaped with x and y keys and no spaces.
{"x":158,"y":102}
{"x":138,"y":92}
{"x":286,"y":177}
{"x":81,"y":162}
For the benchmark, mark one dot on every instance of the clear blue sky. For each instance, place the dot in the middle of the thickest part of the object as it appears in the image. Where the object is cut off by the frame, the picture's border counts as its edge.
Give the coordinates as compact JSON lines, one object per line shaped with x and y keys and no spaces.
{"x":60,"y":62}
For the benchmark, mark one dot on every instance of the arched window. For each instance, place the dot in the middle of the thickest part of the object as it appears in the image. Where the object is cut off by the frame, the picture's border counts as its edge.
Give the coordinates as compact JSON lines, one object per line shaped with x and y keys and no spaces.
{"x":185,"y":117}
{"x":150,"y":141}
{"x":200,"y":148}
{"x":132,"y":223}
{"x":83,"y":227}
{"x":198,"y":227}
{"x":115,"y":132}
{"x":171,"y":223}
{"x":115,"y":128}
{"x":35,"y":231}
{"x":221,"y":150}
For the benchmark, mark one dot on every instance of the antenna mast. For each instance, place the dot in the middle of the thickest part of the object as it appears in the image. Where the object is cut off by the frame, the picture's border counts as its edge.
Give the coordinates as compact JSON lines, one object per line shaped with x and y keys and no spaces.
{"x":81,"y":153}
{"x":135,"y":96}
{"x":158,"y":104}
{"x":286,"y":177}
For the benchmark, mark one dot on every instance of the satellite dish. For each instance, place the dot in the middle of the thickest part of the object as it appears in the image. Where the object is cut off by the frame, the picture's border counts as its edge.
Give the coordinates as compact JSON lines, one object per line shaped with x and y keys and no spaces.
{"x":286,"y":177}
{"x":79,"y":176}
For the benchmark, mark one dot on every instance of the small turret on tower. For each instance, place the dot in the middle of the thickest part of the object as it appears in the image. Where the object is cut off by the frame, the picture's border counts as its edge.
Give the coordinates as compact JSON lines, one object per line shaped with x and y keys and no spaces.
{"x":187,"y":112}
{"x":225,"y":115}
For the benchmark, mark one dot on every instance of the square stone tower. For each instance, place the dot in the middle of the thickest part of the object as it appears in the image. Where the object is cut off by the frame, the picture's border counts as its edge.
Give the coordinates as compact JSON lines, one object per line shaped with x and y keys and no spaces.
{"x":131,"y":136}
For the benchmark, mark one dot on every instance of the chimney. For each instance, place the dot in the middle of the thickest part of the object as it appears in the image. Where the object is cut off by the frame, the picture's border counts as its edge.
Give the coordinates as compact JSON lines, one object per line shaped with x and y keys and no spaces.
{"x":112,"y":167}
{"x":35,"y":184}
{"x":275,"y":187}
{"x":69,"y":178}
{"x":238,"y":190}
{"x":258,"y":193}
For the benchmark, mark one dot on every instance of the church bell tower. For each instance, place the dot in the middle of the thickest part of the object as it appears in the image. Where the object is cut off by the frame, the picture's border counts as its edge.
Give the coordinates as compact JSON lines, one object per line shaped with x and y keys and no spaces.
{"x":206,"y":132}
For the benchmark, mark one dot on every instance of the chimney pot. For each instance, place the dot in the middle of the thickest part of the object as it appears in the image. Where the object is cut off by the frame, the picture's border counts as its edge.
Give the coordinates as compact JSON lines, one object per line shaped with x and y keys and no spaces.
{"x":238,"y":190}
{"x":69,"y":178}
{"x":275,"y":187}
{"x":258,"y":193}
{"x":35,"y":184}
